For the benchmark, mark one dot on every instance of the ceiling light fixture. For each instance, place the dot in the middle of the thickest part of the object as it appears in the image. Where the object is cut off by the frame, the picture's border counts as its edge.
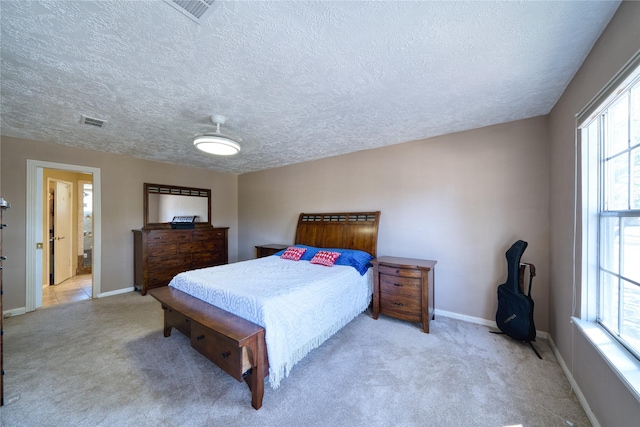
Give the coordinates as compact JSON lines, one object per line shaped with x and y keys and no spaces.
{"x":216,"y":142}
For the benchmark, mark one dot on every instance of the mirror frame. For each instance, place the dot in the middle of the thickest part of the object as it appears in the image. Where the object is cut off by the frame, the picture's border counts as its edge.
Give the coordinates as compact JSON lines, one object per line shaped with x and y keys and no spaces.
{"x":174,"y":190}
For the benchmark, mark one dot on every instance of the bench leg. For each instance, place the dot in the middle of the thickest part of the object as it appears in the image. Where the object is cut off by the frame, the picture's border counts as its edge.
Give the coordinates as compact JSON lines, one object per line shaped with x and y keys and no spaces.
{"x":255,"y":380}
{"x":256,"y":386}
{"x":167,"y":330}
{"x":167,"y":326}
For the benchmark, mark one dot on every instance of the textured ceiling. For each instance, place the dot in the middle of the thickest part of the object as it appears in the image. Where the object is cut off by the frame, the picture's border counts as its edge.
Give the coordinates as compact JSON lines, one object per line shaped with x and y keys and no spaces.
{"x":296,"y":80}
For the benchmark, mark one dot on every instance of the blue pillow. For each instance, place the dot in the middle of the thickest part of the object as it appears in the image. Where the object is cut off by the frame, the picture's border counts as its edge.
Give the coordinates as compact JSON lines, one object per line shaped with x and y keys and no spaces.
{"x":359,"y":260}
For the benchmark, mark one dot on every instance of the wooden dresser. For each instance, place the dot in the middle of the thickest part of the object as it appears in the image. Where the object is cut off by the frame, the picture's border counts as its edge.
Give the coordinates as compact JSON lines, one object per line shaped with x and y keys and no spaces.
{"x":160,"y":254}
{"x":3,"y":205}
{"x":403,"y":288}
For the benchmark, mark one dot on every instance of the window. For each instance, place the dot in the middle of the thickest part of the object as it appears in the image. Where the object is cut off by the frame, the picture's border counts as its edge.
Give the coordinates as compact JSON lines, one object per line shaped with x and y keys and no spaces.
{"x":610,"y":141}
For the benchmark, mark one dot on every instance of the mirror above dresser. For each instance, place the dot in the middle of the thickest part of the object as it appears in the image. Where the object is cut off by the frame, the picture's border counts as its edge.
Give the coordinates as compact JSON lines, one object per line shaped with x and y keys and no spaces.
{"x":163,"y":203}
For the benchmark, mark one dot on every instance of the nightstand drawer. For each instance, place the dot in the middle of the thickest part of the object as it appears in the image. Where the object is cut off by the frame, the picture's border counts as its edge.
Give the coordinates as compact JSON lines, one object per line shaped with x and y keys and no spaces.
{"x":401,"y":307}
{"x":398,"y":271}
{"x":408,"y":286}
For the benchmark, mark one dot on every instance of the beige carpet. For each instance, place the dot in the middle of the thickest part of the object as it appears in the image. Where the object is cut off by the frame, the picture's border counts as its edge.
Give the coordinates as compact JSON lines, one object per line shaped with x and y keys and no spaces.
{"x":106,"y":363}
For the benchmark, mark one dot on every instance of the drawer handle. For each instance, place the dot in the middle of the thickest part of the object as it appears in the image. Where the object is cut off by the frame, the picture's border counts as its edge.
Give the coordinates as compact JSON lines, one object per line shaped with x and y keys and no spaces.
{"x":226,"y":354}
{"x":398,"y":304}
{"x":397,"y":284}
{"x":200,"y":337}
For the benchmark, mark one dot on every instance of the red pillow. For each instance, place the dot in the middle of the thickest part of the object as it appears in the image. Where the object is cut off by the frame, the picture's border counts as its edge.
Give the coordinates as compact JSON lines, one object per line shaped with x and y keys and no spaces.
{"x":325,"y":258}
{"x":293,"y":253}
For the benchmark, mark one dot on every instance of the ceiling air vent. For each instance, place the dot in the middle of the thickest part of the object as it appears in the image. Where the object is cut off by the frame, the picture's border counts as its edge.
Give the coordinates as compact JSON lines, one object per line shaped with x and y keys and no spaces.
{"x":93,"y":122}
{"x":197,"y":10}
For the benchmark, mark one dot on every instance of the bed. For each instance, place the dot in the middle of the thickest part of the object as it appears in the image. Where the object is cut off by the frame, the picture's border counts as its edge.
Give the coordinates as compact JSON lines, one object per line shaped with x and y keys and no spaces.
{"x":257,"y":318}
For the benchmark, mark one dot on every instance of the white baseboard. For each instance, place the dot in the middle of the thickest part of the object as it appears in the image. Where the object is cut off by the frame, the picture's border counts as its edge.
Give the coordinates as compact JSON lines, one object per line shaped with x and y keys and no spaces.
{"x":574,"y":385}
{"x":480,"y":321}
{"x":14,"y":312}
{"x":116,"y":292}
{"x":23,"y":310}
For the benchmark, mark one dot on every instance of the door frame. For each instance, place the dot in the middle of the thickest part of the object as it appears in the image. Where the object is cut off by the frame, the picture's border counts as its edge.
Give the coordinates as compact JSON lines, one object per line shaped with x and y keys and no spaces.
{"x":34,"y":208}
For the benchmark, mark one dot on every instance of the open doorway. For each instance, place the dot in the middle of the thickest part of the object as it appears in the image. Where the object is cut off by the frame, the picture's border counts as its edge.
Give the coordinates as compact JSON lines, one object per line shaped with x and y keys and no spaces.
{"x":65,"y":276}
{"x":63,"y":233}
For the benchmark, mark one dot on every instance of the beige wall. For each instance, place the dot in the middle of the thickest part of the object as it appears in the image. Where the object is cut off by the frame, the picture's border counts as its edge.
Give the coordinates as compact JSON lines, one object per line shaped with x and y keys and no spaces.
{"x":461,"y":199}
{"x":122,"y":206}
{"x":610,"y":401}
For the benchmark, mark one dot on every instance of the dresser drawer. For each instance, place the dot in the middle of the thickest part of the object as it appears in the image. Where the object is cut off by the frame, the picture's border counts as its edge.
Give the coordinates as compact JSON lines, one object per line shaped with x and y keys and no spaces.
{"x":209,"y":235}
{"x":160,"y":278}
{"x":162,"y":270}
{"x":189,"y":247}
{"x":169,"y":236}
{"x":162,"y":249}
{"x":213,"y":245}
{"x":397,"y":271}
{"x":221,"y":350}
{"x":172,"y":263}
{"x":208,"y":259}
{"x":408,"y":286}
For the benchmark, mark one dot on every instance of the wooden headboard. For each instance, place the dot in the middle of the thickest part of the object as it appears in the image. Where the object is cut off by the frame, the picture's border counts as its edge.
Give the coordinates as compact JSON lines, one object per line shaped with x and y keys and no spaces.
{"x":348,"y":230}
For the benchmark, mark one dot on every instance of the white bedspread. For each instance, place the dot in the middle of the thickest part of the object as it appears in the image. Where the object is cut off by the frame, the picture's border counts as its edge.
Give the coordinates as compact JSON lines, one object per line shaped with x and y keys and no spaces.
{"x":299,"y":304}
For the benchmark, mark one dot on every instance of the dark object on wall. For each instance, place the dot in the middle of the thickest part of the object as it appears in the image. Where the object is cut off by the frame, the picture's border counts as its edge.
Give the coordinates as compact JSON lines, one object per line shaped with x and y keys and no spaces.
{"x":515,"y":308}
{"x":3,"y":205}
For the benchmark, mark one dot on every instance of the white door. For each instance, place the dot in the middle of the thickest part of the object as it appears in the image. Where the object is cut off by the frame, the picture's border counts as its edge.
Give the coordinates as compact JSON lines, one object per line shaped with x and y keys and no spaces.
{"x":62,"y":229}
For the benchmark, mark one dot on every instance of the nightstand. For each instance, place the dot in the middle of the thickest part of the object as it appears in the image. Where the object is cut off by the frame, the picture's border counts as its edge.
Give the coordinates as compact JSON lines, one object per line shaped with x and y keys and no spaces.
{"x":266,"y":250}
{"x":403,"y":288}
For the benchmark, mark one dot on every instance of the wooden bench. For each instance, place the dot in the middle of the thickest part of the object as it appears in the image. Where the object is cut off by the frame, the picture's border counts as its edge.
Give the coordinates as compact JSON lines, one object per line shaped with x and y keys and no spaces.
{"x":236,"y":345}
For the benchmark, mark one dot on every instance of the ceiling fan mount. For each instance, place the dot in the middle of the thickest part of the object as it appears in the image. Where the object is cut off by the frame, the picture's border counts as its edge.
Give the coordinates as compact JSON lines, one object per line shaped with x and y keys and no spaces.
{"x":216,"y":142}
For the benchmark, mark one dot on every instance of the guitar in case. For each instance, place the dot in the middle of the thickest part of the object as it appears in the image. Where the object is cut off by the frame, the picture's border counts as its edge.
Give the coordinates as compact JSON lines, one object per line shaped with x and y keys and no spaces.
{"x":515,"y":308}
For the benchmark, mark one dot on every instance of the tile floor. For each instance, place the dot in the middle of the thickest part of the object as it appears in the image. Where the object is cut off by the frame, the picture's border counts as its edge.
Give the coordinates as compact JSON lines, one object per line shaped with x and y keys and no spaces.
{"x":77,"y":288}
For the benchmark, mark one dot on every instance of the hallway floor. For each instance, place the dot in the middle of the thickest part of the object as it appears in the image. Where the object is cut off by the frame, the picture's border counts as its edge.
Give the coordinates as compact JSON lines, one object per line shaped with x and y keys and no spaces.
{"x":76,"y":288}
